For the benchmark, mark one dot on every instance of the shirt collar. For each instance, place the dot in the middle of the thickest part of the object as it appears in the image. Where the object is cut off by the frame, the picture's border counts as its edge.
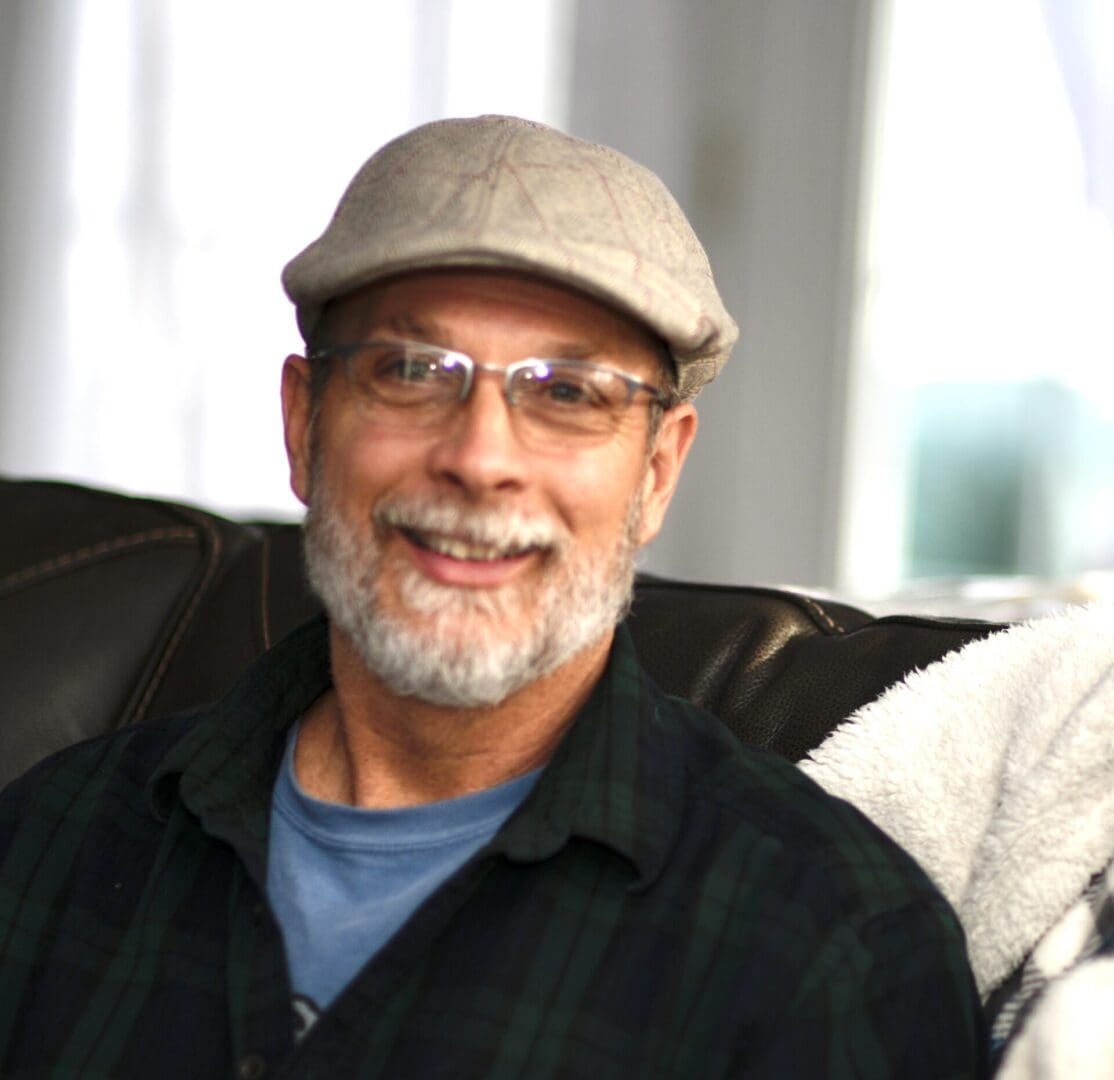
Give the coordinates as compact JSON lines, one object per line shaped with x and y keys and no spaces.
{"x":614,"y":779}
{"x":224,"y":769}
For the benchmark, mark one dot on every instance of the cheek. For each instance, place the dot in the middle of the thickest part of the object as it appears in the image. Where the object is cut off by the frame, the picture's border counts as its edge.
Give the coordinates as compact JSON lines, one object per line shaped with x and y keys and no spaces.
{"x":357,"y":461}
{"x":597,"y":492}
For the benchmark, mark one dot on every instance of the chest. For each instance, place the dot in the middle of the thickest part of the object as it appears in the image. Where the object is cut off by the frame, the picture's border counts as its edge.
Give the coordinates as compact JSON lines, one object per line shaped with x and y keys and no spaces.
{"x":174,"y":964}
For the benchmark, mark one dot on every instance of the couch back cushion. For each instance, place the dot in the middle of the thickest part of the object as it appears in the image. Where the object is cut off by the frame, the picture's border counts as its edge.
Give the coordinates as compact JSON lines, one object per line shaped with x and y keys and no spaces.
{"x":113,"y":609}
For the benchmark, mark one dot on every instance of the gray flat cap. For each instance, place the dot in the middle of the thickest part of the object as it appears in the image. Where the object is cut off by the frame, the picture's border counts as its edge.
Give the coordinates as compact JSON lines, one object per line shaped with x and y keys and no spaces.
{"x":500,"y":192}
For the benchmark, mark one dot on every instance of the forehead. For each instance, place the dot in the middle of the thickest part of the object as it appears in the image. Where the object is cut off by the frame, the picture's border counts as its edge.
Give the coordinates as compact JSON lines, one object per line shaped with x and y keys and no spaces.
{"x":495,"y":312}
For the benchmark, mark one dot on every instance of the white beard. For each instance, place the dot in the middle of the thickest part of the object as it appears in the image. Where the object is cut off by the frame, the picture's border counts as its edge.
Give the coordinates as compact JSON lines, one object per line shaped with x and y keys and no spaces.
{"x":465,"y":647}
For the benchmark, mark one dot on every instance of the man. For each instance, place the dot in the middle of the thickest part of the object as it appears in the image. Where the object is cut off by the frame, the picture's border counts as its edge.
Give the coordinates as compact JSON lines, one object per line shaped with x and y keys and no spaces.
{"x":453,"y":830}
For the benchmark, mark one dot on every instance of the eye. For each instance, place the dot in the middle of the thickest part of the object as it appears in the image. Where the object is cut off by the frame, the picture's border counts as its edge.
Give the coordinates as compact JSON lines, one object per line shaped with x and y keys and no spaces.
{"x":566,"y":392}
{"x":563,"y":387}
{"x":404,"y":373}
{"x":405,"y":365}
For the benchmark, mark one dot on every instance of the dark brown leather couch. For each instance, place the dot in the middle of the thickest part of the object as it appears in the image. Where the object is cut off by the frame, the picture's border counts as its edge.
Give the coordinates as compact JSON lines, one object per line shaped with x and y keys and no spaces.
{"x":114,"y":609}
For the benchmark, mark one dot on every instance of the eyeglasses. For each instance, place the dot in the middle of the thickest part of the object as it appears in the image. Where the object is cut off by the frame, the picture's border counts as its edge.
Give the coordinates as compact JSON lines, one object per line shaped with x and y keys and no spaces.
{"x":406,"y":383}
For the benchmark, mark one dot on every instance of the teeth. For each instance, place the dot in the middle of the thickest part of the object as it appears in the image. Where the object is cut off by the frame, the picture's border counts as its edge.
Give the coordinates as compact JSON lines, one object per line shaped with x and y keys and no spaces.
{"x":461,"y":549}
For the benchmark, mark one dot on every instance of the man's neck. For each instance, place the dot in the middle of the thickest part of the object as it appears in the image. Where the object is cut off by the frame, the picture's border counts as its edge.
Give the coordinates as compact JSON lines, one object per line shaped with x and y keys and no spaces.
{"x":363,"y":745}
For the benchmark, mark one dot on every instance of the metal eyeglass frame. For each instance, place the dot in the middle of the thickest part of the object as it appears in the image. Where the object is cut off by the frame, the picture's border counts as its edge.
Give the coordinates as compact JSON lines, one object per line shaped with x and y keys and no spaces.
{"x":470,"y":366}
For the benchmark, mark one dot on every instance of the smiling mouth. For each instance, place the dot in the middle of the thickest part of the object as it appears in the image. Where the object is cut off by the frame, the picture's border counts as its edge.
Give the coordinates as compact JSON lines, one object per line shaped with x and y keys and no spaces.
{"x":465,"y":550}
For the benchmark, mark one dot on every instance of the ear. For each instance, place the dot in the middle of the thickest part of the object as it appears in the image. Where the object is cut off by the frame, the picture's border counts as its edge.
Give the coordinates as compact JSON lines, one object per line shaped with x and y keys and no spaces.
{"x":671,"y":447}
{"x":297,"y":411}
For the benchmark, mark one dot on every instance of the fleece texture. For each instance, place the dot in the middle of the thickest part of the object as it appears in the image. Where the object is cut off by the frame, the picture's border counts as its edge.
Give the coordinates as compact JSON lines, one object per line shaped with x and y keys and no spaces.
{"x":994,"y":768}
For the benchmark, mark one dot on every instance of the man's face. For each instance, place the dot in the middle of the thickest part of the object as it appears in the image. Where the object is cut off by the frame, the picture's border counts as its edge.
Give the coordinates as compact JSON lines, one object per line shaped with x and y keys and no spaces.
{"x":460,"y":560}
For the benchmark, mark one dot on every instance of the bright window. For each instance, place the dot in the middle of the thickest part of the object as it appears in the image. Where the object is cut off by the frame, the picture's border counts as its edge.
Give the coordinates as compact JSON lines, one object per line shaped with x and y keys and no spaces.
{"x":209,"y":144}
{"x":982,"y":426}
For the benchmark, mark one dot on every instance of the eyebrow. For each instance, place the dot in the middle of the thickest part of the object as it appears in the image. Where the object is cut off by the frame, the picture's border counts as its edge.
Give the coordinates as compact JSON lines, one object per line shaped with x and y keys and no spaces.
{"x":433,"y":333}
{"x":408,"y":326}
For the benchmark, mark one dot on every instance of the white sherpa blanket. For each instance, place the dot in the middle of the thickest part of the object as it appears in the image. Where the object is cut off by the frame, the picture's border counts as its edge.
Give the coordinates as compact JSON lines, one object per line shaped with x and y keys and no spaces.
{"x":994,"y":767}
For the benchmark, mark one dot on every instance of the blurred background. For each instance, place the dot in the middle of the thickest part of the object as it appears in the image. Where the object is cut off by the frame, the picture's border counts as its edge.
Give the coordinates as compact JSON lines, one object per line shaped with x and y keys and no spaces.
{"x":909,"y":206}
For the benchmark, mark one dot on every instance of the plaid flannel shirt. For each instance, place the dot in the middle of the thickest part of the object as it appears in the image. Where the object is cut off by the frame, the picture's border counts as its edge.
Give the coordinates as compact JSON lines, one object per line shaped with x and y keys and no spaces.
{"x":665,"y":903}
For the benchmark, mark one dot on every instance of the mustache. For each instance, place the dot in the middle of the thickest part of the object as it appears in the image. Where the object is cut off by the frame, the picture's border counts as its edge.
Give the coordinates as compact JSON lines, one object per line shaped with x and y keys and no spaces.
{"x":492,"y":526}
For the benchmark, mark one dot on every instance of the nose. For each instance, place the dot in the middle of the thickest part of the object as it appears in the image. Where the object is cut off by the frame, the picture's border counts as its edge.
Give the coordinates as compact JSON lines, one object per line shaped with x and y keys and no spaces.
{"x":478,"y":450}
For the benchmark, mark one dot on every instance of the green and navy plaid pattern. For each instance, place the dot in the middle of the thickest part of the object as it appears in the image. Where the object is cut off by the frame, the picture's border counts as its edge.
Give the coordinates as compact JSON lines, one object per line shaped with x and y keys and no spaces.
{"x":665,"y":903}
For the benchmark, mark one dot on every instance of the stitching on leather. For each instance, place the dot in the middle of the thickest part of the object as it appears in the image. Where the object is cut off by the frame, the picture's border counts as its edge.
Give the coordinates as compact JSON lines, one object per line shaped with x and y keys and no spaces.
{"x":95,"y":551}
{"x":183,"y":625}
{"x":648,"y":584}
{"x":820,"y":613}
{"x":265,"y":572}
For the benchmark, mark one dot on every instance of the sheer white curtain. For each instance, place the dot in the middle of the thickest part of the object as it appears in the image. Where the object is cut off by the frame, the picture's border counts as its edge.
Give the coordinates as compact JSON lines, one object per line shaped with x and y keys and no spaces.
{"x":200,"y":146}
{"x":987,"y":328}
{"x":1082,"y":36}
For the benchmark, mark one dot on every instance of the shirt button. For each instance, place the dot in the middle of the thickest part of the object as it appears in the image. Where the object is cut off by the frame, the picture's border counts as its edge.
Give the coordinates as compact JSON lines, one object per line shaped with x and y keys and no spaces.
{"x":251,"y":1067}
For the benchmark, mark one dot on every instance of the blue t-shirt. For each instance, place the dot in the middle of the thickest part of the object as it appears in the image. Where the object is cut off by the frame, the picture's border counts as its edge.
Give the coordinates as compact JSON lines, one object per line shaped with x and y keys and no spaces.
{"x":343,"y":879}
